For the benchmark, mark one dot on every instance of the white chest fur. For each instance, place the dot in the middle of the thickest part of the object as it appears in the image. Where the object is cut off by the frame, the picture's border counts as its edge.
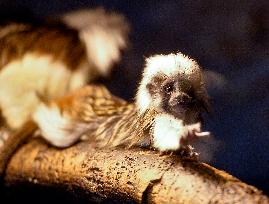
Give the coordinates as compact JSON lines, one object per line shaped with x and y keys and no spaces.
{"x":168,"y":132}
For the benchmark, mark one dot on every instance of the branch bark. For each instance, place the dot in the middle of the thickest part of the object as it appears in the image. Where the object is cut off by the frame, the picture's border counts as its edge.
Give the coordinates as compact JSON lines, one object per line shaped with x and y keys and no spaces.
{"x":133,"y":174}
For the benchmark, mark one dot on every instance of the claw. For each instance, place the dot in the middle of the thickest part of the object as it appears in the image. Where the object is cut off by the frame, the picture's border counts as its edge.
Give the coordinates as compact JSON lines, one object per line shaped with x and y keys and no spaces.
{"x":189,"y":152}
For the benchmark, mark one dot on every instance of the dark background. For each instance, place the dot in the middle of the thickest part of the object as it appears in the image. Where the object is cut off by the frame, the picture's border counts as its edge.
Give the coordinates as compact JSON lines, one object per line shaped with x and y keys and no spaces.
{"x":229,"y":39}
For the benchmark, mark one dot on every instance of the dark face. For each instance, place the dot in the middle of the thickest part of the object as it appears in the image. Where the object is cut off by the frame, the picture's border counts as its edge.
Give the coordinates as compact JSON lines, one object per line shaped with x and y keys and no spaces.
{"x":179,"y":97}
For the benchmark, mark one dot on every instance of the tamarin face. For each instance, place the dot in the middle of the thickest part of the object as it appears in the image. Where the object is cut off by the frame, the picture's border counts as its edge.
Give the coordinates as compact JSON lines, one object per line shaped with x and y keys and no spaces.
{"x":177,"y":95}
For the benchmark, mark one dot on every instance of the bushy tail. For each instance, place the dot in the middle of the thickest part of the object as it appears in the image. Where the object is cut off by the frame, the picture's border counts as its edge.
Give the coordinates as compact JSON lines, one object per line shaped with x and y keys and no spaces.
{"x":105,"y":34}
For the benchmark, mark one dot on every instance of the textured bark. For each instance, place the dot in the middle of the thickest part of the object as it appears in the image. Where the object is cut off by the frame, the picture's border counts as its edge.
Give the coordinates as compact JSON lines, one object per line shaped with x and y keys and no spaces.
{"x":130,"y":175}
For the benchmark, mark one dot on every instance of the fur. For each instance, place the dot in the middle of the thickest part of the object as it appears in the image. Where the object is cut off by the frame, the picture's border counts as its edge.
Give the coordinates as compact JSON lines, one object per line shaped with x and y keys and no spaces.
{"x":54,"y":58}
{"x":167,"y":133}
{"x":56,"y":127}
{"x":20,"y":88}
{"x":104,"y":34}
{"x":167,"y":65}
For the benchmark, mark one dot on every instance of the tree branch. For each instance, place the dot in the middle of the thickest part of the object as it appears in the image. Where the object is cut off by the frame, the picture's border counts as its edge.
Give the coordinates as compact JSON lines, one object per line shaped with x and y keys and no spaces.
{"x":133,"y":174}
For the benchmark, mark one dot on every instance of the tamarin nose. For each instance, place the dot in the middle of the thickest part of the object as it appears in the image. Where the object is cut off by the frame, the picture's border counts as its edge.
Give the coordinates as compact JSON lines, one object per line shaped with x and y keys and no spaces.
{"x":184,"y":100}
{"x":181,"y":99}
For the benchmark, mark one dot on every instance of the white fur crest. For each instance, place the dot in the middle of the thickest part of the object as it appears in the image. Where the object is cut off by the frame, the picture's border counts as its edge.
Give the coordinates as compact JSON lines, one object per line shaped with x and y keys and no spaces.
{"x":168,"y":65}
{"x":55,"y":127}
{"x":168,"y":132}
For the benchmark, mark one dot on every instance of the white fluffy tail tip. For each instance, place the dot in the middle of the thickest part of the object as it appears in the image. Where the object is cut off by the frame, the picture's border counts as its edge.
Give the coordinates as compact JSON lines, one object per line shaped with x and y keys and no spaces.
{"x":104,"y":33}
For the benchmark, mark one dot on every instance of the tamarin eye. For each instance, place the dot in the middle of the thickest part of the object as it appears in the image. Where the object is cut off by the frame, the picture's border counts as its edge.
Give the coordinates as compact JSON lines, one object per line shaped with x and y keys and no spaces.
{"x":168,"y":88}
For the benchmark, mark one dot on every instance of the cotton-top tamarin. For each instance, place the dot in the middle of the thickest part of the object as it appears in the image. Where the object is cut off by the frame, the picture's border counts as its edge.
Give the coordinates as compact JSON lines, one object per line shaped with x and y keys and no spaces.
{"x":166,"y":114}
{"x":42,"y":61}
